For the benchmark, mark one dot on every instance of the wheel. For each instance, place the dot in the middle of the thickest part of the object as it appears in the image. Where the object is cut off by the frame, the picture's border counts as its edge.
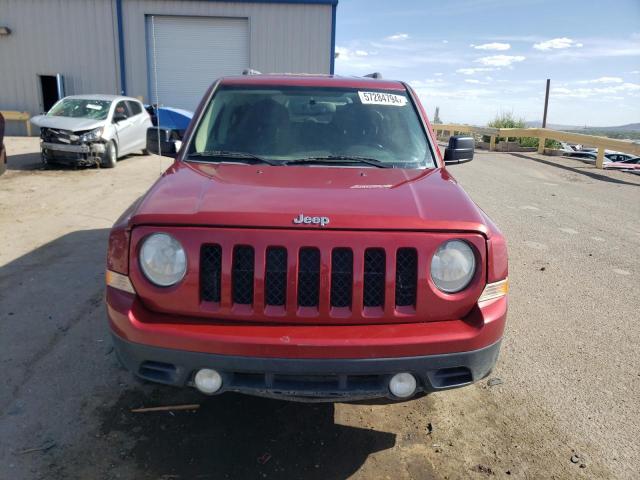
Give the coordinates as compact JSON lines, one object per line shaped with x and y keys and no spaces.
{"x":45,"y":161}
{"x":145,"y":151}
{"x":3,"y":160}
{"x":110,"y":155}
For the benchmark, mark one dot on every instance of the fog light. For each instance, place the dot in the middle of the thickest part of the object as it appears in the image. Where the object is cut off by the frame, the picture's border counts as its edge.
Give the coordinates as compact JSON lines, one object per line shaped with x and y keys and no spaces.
{"x":403,"y":385}
{"x":208,"y":381}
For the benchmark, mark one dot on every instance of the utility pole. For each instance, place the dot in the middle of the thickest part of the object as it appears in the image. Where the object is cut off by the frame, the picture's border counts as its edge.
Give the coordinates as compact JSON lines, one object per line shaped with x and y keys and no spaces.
{"x":546,"y":104}
{"x":542,"y":141}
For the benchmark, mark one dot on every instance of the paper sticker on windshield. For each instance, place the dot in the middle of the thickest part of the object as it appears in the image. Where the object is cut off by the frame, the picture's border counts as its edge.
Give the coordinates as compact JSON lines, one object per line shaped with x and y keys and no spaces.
{"x":94,"y":107}
{"x":378,"y":98}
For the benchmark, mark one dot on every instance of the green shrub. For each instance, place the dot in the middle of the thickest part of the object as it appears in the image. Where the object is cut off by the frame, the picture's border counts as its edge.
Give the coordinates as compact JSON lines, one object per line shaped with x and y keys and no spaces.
{"x":508,"y":120}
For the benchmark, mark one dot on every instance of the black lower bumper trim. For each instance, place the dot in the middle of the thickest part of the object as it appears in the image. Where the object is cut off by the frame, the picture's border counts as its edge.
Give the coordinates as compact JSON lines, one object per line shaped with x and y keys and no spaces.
{"x":307,"y":379}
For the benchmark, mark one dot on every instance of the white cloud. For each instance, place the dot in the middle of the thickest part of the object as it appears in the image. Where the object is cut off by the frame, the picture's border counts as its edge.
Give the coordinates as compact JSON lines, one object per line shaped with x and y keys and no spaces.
{"x":445,"y":41}
{"x":492,"y":46}
{"x":500,"y":60}
{"x":427,"y":82}
{"x":398,"y":36}
{"x":630,"y":89}
{"x":472,"y":80}
{"x":344,"y":53}
{"x":472,"y":71}
{"x":556,"y":43}
{"x":603,"y":80}
{"x":451,"y":93}
{"x":438,"y":74}
{"x":634,"y":72}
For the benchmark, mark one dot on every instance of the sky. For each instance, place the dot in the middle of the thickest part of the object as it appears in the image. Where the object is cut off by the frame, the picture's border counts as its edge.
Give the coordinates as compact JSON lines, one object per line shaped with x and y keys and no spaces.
{"x":478,"y":58}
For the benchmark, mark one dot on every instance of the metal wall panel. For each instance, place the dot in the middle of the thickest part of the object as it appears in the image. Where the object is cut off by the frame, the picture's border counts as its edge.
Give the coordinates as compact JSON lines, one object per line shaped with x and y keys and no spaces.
{"x":282,"y":37}
{"x":76,"y":38}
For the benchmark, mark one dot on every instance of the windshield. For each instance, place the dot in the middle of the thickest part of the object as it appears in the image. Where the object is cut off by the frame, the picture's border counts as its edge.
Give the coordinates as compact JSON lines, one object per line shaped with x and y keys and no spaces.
{"x":286,"y":124}
{"x":80,"y":108}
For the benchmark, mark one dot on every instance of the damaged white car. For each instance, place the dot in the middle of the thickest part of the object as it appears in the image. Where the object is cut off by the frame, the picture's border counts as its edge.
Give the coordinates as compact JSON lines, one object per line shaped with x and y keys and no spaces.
{"x":92,"y":130}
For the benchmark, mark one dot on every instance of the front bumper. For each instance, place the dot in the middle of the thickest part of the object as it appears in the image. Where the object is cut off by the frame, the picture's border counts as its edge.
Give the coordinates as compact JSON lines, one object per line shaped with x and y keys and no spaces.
{"x":307,"y":379}
{"x":72,"y":153}
{"x":320,"y":362}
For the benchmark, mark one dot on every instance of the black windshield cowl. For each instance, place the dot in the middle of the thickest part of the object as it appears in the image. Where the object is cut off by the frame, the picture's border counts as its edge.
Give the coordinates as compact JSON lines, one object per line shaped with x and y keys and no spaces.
{"x":342,"y":160}
{"x":224,"y":154}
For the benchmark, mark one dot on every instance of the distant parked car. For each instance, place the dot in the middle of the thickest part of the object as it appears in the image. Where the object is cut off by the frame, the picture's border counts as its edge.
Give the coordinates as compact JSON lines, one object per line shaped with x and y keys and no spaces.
{"x":92,"y":129}
{"x":629,"y":163}
{"x":585,"y":156}
{"x":3,"y":152}
{"x":622,"y":158}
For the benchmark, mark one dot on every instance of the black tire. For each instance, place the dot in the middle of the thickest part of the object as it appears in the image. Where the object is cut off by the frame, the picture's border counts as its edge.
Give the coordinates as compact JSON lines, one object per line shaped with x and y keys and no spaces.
{"x":3,"y":160}
{"x":110,"y":155}
{"x":45,"y":161}
{"x":145,"y":151}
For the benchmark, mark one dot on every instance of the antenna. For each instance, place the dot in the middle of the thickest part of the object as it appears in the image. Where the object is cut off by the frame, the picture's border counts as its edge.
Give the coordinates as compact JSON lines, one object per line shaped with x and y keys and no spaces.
{"x":155,"y":80}
{"x":376,"y":75}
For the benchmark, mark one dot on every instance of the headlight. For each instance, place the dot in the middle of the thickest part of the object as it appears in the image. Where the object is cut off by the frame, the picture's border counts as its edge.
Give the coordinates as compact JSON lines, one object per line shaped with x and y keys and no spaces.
{"x":453,"y":266}
{"x":163,"y":260}
{"x":92,"y":135}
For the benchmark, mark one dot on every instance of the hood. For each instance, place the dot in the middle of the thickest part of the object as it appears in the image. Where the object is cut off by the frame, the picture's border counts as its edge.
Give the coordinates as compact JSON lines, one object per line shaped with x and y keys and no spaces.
{"x":67,"y":123}
{"x":271,"y":196}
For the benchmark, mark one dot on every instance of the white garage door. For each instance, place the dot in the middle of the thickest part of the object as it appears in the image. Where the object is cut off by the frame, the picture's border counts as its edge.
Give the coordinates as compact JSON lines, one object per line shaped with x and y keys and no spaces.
{"x":188,"y":53}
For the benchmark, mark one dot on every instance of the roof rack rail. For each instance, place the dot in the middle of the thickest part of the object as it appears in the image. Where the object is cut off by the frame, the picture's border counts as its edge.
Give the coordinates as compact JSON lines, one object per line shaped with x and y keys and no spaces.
{"x":250,"y":71}
{"x":376,"y":75}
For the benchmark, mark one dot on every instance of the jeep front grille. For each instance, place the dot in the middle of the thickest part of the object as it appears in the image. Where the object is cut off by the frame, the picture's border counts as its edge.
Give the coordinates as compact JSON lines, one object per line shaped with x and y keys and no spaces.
{"x":274,"y":280}
{"x":309,"y":276}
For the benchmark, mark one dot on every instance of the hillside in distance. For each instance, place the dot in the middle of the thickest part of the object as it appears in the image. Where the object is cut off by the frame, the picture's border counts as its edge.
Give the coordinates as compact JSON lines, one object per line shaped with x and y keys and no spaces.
{"x":630,"y":127}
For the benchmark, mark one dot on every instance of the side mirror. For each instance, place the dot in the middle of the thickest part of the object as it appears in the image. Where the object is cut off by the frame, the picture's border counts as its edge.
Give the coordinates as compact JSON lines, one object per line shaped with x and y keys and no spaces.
{"x":163,"y":141}
{"x":459,"y":150}
{"x":118,"y":117}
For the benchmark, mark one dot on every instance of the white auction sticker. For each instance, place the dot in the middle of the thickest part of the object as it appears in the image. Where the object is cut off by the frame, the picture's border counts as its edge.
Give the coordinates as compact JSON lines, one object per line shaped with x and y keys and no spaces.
{"x":379,"y":98}
{"x":94,"y":107}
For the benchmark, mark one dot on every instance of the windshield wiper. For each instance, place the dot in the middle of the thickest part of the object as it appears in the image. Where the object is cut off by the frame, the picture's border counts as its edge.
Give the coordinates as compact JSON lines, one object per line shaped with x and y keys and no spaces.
{"x":341,"y":159}
{"x":233,"y":155}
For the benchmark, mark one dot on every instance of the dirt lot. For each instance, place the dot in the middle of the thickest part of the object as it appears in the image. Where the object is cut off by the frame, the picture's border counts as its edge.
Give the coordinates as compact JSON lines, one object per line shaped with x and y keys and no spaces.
{"x":564,"y":401}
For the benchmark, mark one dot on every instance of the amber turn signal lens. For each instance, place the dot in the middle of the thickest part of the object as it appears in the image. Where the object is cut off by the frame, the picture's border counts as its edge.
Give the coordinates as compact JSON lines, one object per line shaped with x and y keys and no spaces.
{"x":495,"y":290}
{"x":119,"y":281}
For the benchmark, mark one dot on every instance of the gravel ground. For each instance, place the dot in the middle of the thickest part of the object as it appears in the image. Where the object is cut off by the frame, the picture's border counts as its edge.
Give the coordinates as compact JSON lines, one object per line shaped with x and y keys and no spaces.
{"x":564,"y":400}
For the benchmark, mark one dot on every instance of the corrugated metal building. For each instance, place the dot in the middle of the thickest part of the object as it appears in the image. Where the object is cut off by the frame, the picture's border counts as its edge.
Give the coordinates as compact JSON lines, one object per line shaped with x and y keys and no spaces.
{"x":139,"y":47}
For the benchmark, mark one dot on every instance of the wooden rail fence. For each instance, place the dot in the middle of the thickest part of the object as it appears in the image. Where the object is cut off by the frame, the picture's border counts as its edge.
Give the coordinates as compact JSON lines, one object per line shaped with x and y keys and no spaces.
{"x":543,"y":134}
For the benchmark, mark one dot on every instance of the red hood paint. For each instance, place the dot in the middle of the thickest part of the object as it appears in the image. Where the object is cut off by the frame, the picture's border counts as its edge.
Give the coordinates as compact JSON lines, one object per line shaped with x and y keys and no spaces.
{"x":268,"y":196}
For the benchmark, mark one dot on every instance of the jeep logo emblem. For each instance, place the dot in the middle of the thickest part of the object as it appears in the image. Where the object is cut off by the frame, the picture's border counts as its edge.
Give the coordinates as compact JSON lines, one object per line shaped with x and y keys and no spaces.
{"x":303,"y":219}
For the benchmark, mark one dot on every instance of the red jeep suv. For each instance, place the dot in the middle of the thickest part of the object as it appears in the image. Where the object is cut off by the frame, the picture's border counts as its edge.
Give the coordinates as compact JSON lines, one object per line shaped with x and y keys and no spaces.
{"x":307,"y":243}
